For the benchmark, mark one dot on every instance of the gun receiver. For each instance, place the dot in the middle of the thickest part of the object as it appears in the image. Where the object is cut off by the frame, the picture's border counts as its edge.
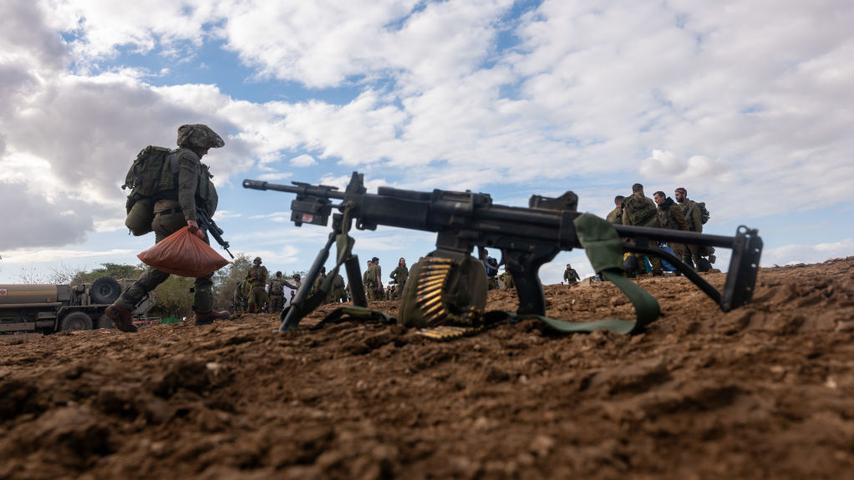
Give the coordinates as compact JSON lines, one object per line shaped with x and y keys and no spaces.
{"x":527,"y":237}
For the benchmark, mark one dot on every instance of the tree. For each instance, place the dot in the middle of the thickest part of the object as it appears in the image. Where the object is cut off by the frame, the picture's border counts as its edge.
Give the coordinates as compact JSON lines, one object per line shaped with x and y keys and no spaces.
{"x":226,"y":279}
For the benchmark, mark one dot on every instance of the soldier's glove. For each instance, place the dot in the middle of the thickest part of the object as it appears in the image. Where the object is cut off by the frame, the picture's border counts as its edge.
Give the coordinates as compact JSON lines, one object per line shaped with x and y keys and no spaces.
{"x":193,"y":227}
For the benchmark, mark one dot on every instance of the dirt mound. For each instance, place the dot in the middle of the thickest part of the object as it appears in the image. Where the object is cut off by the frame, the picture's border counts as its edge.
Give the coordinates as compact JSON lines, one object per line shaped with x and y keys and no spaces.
{"x":764,"y":391}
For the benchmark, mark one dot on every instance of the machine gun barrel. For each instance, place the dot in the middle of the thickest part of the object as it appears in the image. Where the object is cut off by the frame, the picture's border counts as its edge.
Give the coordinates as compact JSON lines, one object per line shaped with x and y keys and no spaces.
{"x":298,"y":188}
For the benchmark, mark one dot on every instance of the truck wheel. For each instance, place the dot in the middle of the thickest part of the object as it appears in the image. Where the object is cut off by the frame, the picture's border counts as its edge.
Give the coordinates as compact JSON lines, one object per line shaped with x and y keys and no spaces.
{"x":105,"y":290}
{"x":76,"y":321}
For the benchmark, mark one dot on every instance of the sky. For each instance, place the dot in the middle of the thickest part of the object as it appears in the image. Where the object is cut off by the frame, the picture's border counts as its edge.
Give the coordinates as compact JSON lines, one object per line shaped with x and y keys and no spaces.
{"x":748,"y":104}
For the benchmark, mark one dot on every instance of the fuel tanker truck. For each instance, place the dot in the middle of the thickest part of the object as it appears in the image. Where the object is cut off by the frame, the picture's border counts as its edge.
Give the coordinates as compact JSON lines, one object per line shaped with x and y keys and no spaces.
{"x":61,"y":308}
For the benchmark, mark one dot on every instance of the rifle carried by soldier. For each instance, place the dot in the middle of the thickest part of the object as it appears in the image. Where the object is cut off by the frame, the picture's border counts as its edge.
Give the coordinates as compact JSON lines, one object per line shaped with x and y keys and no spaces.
{"x":447,"y":288}
{"x":208,"y":224}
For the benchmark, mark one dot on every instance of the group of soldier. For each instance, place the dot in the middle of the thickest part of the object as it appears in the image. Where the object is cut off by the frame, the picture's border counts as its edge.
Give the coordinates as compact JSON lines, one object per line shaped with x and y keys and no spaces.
{"x":372,"y":278}
{"x":258,"y":294}
{"x":663,"y":212}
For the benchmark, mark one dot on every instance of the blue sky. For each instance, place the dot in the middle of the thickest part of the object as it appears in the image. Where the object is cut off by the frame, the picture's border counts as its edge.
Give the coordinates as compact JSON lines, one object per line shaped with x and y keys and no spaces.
{"x":747,"y":106}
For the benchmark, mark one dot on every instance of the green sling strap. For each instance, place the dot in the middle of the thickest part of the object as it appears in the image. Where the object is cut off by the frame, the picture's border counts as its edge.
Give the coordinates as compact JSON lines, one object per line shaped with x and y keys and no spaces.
{"x":604,"y":249}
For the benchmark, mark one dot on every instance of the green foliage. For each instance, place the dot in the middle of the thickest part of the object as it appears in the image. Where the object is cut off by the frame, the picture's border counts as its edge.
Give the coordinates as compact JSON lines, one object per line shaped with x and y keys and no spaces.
{"x":174,"y":297}
{"x":115,"y":270}
{"x":226,"y":279}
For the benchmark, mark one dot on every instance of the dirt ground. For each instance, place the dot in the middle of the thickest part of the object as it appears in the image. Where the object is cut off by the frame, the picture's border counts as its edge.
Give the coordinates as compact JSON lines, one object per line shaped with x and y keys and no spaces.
{"x":766,"y":391}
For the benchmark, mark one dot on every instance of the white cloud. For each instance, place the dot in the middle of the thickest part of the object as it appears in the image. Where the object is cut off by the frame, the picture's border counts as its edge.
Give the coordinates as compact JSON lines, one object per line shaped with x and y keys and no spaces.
{"x":275,"y":176}
{"x":303,"y":161}
{"x":26,"y":256}
{"x":793,"y":254}
{"x":725,"y":99}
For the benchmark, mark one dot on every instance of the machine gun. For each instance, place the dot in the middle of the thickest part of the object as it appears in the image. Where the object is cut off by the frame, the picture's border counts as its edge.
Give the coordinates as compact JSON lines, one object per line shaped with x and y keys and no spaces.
{"x":527,"y":237}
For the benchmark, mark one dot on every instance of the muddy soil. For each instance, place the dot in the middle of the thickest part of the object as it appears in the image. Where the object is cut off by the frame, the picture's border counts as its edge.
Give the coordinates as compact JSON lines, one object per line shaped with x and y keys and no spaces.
{"x":766,"y":391}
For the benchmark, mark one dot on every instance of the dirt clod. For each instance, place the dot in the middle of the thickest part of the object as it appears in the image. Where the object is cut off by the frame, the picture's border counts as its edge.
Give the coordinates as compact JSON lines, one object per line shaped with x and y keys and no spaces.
{"x":762,"y":391}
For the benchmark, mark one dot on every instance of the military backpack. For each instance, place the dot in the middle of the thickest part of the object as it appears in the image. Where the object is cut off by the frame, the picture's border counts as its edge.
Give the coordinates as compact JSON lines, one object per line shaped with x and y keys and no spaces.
{"x":704,"y":212}
{"x":145,"y":179}
{"x":639,"y":210}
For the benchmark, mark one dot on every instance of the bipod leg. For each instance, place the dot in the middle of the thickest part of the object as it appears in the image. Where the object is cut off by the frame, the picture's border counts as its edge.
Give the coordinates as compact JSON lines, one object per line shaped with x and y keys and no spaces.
{"x":301,"y":306}
{"x":681,"y":266}
{"x":354,"y":280}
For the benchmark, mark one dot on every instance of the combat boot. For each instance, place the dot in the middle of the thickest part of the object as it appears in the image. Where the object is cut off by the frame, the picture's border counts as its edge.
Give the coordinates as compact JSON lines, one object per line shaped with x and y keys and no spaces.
{"x":209,"y":317}
{"x":121,"y":317}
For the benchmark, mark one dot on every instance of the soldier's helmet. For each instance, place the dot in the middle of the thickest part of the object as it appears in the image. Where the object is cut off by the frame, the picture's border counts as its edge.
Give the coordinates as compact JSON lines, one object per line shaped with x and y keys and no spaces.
{"x":198,"y":135}
{"x":278,"y":274}
{"x":257,"y":261}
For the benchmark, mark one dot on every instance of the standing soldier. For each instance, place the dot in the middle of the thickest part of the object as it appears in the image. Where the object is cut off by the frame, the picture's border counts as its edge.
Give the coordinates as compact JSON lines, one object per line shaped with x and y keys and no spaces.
{"x":616,"y":215}
{"x":277,"y":293}
{"x":369,"y":279}
{"x":373,"y":280}
{"x":238,"y":304}
{"x":296,"y":285}
{"x":570,"y":275}
{"x":186,"y":187}
{"x":399,"y":276}
{"x":318,"y":281}
{"x":670,"y":215}
{"x":694,"y":218}
{"x":257,"y":279}
{"x":380,"y":293}
{"x":641,"y":211}
{"x":339,"y":290}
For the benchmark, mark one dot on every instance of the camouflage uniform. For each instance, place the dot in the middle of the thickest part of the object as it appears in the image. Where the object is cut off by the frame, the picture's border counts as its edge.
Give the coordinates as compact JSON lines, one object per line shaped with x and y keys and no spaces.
{"x":239,"y":299}
{"x":639,"y":210}
{"x":338,"y":292}
{"x":277,"y":293}
{"x":399,"y":275}
{"x":257,"y":279}
{"x":318,"y":282}
{"x":670,"y":215}
{"x":615,"y":216}
{"x":372,"y":281}
{"x":693,"y":217}
{"x":570,"y":275}
{"x":173,"y":209}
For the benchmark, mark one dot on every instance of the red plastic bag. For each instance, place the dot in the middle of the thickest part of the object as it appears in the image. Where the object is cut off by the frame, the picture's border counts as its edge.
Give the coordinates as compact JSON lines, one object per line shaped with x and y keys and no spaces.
{"x":184,"y":254}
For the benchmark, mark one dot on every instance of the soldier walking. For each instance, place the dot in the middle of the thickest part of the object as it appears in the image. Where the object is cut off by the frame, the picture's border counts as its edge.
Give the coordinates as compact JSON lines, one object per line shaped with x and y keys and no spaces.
{"x":256,"y":277}
{"x":187,"y":187}
{"x":570,"y":275}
